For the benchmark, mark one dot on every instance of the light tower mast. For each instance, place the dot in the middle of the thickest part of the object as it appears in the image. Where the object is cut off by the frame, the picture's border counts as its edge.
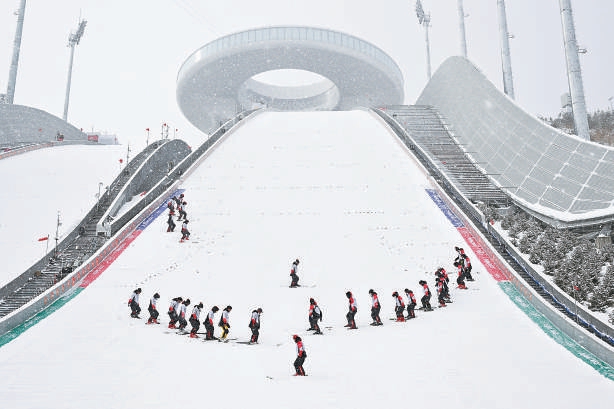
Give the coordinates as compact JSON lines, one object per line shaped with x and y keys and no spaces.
{"x":506,"y":59}
{"x":10,"y":89}
{"x":461,"y":17}
{"x":425,"y":20}
{"x":574,"y":72}
{"x":73,"y":40}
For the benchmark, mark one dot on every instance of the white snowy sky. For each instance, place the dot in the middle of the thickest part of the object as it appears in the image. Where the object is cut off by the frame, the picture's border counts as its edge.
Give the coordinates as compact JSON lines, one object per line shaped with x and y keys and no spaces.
{"x":126,"y":65}
{"x":338,"y":191}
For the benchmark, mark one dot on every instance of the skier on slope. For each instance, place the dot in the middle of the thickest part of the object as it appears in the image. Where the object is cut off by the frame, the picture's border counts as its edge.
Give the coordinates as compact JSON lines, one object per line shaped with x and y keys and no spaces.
{"x":375,"y":308}
{"x":460,"y":280}
{"x":173,"y":311}
{"x":254,"y":325}
{"x":170,"y":222}
{"x":468,"y":268}
{"x":315,"y":315}
{"x":353,"y":309}
{"x":133,"y":303}
{"x":182,"y":310}
{"x":426,"y":297}
{"x":183,"y":214}
{"x":185,"y":233}
{"x":411,"y":304}
{"x":153,"y":309}
{"x":225,"y":322}
{"x":399,"y":307}
{"x":443,"y":275}
{"x":294,"y":273}
{"x":441,"y":292}
{"x":301,"y":354}
{"x":195,"y":320}
{"x":209,"y":323}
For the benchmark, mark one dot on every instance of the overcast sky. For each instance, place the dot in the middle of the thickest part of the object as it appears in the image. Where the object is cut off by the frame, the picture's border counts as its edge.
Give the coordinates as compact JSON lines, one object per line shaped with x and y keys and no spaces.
{"x":126,"y":65}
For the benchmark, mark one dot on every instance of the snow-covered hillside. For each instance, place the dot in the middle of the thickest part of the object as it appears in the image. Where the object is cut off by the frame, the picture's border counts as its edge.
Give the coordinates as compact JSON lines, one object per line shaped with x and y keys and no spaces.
{"x":337,"y":191}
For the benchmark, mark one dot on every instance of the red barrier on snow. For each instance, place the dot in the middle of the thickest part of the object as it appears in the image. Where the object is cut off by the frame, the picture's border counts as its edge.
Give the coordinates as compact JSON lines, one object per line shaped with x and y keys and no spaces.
{"x":108,"y":260}
{"x":484,"y":258}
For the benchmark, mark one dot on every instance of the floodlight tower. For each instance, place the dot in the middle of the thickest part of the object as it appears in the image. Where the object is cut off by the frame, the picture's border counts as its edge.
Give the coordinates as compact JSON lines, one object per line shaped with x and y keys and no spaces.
{"x":574,"y":72}
{"x":73,"y":39}
{"x":10,"y":89}
{"x":506,"y":59}
{"x":425,"y":20}
{"x":461,"y":17}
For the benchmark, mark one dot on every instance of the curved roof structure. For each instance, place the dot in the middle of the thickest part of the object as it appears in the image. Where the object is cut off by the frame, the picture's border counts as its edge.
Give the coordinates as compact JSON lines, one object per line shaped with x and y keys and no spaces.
{"x":217,"y":80}
{"x":559,"y":178}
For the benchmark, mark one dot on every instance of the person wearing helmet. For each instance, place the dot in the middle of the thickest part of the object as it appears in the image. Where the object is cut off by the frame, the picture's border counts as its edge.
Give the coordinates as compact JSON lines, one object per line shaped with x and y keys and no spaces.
{"x":173,"y":311}
{"x":209,"y":323}
{"x":185,"y":233}
{"x":170,"y":222}
{"x":301,"y":354}
{"x":399,"y":307}
{"x":375,"y":308}
{"x":426,"y":297}
{"x":353,"y":309}
{"x":182,"y":210}
{"x":182,"y":310}
{"x":225,"y":323}
{"x":294,"y":274}
{"x":195,"y":319}
{"x":153,"y":309}
{"x":315,"y":315}
{"x":411,"y":304}
{"x":133,"y":303}
{"x":254,"y":325}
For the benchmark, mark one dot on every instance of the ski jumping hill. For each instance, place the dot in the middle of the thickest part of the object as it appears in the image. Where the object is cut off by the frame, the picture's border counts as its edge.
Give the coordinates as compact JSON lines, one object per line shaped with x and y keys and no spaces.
{"x":339,"y":192}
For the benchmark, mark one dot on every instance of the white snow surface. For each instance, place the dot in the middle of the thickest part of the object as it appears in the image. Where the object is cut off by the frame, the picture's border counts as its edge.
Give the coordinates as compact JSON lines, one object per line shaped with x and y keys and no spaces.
{"x":39,"y":184}
{"x":337,"y":191}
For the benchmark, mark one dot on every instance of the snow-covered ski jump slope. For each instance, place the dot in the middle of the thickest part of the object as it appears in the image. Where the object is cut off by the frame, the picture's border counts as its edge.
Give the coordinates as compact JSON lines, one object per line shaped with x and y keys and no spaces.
{"x":339,"y":192}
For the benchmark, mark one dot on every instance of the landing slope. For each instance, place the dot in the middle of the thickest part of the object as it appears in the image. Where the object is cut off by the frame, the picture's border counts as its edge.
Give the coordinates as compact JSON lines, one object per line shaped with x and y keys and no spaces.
{"x":337,"y":191}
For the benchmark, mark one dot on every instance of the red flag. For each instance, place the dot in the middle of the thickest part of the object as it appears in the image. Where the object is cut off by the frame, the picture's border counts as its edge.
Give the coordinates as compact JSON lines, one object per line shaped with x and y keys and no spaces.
{"x":575,"y":287}
{"x":43,"y":238}
{"x":147,"y":129}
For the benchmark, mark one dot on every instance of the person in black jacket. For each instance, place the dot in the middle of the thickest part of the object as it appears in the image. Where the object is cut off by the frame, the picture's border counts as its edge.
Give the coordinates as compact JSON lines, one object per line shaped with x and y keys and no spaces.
{"x":254,"y":325}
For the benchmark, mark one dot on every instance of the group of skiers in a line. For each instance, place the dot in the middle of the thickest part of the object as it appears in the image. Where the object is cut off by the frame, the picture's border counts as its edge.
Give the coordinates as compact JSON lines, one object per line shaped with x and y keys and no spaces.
{"x":179,"y":319}
{"x":179,"y":204}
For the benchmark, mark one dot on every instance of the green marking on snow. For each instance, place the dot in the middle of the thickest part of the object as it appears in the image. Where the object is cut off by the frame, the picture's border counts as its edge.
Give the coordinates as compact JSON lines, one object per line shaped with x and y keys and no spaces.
{"x":555,"y":333}
{"x":30,"y":322}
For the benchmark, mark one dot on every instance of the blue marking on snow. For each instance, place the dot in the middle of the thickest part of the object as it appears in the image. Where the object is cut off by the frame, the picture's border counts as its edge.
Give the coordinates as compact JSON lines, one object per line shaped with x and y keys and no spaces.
{"x":154,"y":215}
{"x":456,"y":222}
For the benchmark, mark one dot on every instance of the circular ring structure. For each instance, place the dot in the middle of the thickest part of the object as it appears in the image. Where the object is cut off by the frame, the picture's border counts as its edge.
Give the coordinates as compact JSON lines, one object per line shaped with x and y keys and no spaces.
{"x":217,"y":80}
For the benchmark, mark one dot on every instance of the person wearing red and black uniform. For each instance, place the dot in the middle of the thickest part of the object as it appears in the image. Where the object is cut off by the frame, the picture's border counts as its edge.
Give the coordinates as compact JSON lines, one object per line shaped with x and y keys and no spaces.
{"x":209,"y":323}
{"x":185,"y":233}
{"x":294,"y":274}
{"x":153,"y":309}
{"x":133,"y":303}
{"x":254,"y":325}
{"x":399,"y":307}
{"x":441,"y":292}
{"x":443,"y":275}
{"x":375,"y":308}
{"x":195,"y":320}
{"x":353,"y":309}
{"x":170,"y":222}
{"x":301,"y":354}
{"x":173,"y":311}
{"x":426,"y":297}
{"x":182,"y":211}
{"x":182,"y":310}
{"x":468,"y":268}
{"x":460,"y":280}
{"x":225,"y":322}
{"x":411,"y":304}
{"x":179,"y":200}
{"x":315,"y":315}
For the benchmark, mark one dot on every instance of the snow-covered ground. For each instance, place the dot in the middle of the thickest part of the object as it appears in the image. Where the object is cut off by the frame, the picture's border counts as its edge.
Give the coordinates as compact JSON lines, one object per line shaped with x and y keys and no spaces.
{"x":340,"y":193}
{"x":39,"y":184}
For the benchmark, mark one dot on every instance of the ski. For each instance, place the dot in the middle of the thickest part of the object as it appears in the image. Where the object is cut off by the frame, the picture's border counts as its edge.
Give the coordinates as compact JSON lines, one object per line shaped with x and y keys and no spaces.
{"x":227,"y":339}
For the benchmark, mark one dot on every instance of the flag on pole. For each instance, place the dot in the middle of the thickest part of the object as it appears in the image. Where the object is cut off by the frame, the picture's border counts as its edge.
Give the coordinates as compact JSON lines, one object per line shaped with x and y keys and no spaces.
{"x":147,"y":129}
{"x":44,"y":238}
{"x":575,"y":287}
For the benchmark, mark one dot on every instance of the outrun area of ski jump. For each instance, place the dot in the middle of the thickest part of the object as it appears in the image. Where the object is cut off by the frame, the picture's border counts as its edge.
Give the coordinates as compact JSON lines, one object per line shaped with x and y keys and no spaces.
{"x":340,"y":193}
